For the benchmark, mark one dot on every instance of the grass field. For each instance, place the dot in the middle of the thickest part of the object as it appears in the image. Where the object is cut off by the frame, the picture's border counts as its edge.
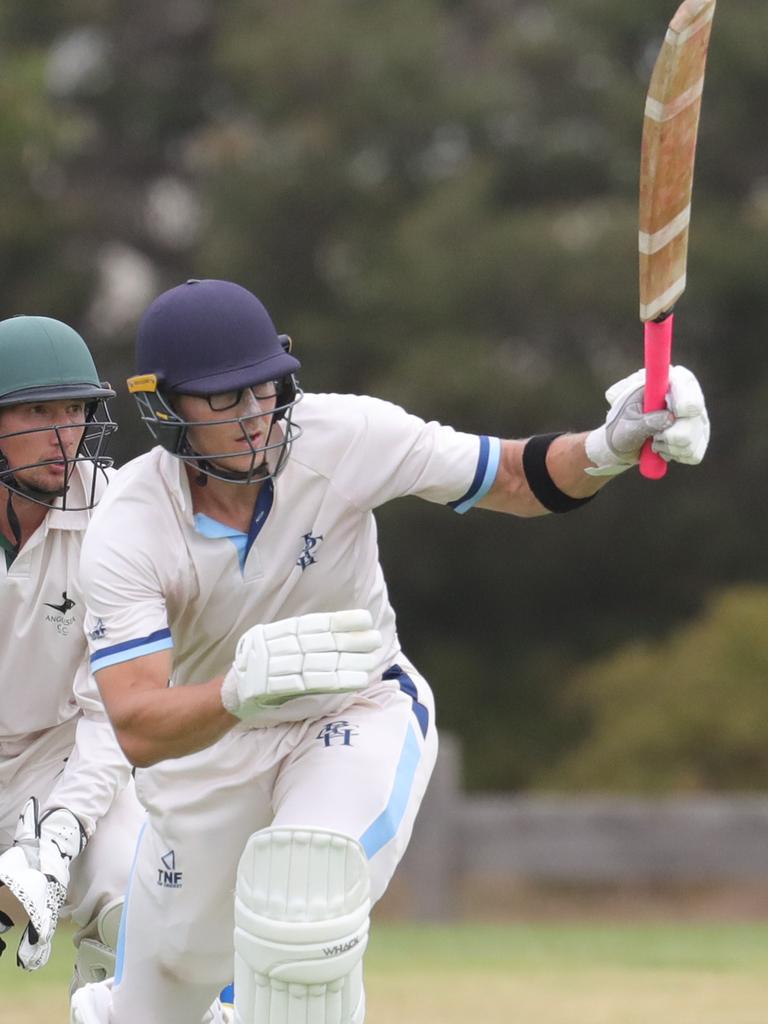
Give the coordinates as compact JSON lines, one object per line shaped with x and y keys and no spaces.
{"x":516,"y":974}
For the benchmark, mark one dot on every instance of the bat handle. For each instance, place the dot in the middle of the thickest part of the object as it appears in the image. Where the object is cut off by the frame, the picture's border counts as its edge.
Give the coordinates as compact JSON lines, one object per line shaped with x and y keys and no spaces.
{"x":658,"y":348}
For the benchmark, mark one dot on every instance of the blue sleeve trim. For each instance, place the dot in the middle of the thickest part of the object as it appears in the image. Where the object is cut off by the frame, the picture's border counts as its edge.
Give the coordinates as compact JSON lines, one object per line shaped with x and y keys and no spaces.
{"x":160,"y":640}
{"x":485,"y":474}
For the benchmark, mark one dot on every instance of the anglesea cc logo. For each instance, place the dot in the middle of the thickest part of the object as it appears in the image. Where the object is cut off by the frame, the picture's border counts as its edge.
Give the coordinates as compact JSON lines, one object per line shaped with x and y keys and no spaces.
{"x":62,"y":620}
{"x":66,"y":604}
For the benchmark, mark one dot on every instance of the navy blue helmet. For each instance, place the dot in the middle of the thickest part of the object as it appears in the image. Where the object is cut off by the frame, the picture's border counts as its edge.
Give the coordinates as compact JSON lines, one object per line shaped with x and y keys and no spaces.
{"x":211,"y":338}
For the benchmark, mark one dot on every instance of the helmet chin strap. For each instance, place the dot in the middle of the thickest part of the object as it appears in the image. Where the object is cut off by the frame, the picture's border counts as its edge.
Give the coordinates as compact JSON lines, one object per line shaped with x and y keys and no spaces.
{"x":13,"y":522}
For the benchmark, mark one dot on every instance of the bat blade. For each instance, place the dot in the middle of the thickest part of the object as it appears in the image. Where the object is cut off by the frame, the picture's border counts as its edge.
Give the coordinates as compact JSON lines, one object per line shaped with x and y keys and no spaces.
{"x":670,"y":130}
{"x":667,"y":157}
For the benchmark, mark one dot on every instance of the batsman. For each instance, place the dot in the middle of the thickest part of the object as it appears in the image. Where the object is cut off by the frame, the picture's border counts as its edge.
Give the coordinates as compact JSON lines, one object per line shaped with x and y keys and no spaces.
{"x":247,"y":653}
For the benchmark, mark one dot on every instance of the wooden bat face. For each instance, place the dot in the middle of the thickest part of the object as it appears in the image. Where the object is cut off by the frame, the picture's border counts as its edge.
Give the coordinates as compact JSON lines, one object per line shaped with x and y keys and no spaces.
{"x":670,"y":127}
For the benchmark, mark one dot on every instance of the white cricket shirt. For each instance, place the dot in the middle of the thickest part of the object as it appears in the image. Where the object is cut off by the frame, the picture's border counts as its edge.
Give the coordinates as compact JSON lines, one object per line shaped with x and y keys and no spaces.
{"x":156,"y":576}
{"x":44,"y":654}
{"x":41,"y":626}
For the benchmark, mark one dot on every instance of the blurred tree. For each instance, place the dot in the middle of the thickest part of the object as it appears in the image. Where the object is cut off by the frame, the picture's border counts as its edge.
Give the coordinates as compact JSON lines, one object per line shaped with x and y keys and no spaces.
{"x":688,"y":713}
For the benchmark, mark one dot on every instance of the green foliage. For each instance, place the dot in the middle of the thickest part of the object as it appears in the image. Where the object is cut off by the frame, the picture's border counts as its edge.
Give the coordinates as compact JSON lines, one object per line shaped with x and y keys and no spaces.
{"x":688,"y":713}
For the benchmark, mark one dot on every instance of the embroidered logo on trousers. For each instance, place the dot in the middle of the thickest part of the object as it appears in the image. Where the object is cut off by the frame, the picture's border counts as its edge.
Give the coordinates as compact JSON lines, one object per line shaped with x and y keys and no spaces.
{"x":167,"y":875}
{"x":340,"y":733}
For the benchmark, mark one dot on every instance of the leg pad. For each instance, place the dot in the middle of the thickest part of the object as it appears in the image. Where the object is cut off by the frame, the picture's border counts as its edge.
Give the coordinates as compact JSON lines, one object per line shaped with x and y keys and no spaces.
{"x":302,"y":910}
{"x":95,"y":957}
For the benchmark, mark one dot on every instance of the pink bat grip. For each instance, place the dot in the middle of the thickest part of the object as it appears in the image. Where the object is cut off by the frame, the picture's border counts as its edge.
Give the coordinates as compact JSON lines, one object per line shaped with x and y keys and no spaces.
{"x":658,"y":349}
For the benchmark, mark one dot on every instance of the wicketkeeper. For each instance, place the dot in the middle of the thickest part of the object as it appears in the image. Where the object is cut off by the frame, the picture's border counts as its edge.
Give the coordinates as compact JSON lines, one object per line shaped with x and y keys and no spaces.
{"x":68,"y":812}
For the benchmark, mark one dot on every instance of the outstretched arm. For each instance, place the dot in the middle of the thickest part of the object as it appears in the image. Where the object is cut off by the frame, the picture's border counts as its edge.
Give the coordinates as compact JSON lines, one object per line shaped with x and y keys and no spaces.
{"x":566,"y":463}
{"x":557,"y":473}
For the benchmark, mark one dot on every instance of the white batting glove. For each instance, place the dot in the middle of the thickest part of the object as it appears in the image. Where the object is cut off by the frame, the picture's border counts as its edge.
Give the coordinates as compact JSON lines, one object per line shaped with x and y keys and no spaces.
{"x":36,"y":870}
{"x":680,"y":432}
{"x":320,"y":653}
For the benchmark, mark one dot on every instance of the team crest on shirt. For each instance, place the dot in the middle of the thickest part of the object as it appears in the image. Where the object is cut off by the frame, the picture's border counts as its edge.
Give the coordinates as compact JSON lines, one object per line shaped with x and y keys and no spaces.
{"x":167,"y":875}
{"x":61,"y":620}
{"x":307,"y":556}
{"x":340,"y":733}
{"x":67,"y":604}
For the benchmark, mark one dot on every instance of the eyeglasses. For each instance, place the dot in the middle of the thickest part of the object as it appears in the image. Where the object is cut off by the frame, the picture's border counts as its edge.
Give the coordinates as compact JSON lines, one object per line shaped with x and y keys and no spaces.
{"x":229,"y":399}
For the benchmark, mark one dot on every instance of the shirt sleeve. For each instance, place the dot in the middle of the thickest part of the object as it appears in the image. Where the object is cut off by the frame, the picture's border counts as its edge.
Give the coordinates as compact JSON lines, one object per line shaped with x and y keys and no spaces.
{"x":398,"y":454}
{"x":126,"y":615}
{"x":96,"y":770}
{"x":95,"y":773}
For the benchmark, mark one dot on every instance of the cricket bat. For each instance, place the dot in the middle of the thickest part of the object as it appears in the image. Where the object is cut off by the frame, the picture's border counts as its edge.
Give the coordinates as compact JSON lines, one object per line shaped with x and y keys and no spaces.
{"x":667,"y":156}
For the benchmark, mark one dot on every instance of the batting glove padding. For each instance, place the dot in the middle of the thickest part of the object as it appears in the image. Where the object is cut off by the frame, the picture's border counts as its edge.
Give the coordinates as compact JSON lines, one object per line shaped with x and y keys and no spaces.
{"x":320,"y":653}
{"x":680,"y":432}
{"x":36,"y":870}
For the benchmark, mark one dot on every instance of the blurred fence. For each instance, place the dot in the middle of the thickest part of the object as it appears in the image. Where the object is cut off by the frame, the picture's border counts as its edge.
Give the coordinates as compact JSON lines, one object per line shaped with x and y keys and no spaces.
{"x":489,"y":852}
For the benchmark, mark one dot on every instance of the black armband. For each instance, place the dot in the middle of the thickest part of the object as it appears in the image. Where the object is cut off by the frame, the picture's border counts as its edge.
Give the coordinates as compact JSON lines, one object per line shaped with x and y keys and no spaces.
{"x":543,"y":487}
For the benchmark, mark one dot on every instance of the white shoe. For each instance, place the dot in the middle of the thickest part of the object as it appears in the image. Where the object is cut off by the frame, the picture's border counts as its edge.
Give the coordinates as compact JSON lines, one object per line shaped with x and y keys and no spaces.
{"x":91,"y":1004}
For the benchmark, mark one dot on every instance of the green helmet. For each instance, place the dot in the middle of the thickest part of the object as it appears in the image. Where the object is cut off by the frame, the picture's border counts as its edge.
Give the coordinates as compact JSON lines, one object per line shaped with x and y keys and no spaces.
{"x":42,"y":359}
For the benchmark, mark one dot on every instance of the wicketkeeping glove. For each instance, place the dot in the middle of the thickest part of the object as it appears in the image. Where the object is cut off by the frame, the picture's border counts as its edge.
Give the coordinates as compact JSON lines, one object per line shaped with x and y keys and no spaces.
{"x":680,"y":432}
{"x":320,"y":653}
{"x":36,"y":870}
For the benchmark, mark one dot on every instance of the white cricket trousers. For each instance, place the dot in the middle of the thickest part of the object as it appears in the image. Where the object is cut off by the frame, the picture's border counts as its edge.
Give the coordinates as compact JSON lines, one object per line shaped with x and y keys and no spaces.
{"x":362,"y":773}
{"x":100,"y":873}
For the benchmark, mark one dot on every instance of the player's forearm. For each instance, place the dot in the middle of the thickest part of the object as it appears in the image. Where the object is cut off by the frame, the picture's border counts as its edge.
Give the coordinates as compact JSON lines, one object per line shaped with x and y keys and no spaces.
{"x":566,"y":462}
{"x":154,"y":725}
